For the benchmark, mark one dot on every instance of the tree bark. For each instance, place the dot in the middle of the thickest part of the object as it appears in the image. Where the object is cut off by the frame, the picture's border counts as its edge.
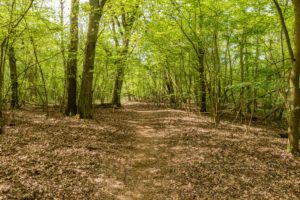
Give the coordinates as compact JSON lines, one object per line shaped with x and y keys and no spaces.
{"x":293,"y":134}
{"x":85,"y":104}
{"x":3,"y":50}
{"x":201,"y":56}
{"x":170,"y":87}
{"x":116,"y":100}
{"x":71,"y":108}
{"x":255,"y":75}
{"x":242,"y":66}
{"x":63,"y":54}
{"x":217,"y":78}
{"x":14,"y":103}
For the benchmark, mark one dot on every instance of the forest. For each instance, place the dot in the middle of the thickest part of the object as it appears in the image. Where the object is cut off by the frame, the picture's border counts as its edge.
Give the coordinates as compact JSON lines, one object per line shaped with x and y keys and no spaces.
{"x":149,"y":99}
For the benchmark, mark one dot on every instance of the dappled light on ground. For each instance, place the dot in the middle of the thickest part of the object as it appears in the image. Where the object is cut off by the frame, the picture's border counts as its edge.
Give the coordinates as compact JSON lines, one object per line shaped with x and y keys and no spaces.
{"x":143,"y":152}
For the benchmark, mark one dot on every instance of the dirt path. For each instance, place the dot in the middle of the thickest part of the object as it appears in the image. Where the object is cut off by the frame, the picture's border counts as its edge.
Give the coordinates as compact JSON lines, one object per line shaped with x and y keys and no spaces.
{"x":142,"y":152}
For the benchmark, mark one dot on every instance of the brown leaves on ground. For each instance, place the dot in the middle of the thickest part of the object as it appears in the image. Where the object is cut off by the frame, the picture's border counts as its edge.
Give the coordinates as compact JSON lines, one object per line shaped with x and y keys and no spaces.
{"x":141,"y":152}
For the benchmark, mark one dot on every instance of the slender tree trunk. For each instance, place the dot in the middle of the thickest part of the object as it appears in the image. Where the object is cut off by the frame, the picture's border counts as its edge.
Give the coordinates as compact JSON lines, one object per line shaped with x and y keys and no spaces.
{"x":85,"y":104}
{"x":230,"y":82}
{"x":3,"y":50}
{"x":217,"y":79}
{"x":255,"y":76}
{"x":248,"y":88}
{"x":242,"y":66}
{"x":226,"y":82}
{"x":71,"y":108}
{"x":14,"y":103}
{"x":201,"y":56}
{"x":284,"y":28}
{"x":63,"y":53}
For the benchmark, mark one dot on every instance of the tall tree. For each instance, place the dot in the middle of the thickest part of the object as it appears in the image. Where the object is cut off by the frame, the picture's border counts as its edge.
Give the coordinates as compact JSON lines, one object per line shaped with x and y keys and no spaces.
{"x":71,"y":108}
{"x":86,"y":94}
{"x":124,"y":24}
{"x":294,"y":112}
{"x":193,"y":33}
{"x":293,"y":142}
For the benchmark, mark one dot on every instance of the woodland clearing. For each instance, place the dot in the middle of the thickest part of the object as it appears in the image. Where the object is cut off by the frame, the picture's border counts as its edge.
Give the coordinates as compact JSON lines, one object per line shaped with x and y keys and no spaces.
{"x":143,"y":152}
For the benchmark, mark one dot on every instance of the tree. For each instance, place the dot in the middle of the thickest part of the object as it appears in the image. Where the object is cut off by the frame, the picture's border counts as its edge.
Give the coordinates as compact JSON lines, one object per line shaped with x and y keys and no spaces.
{"x":194,"y":35}
{"x":294,"y":112}
{"x":14,"y":103}
{"x":86,"y":94}
{"x":293,"y":134}
{"x":11,"y":25}
{"x":124,"y":24}
{"x":71,"y":108}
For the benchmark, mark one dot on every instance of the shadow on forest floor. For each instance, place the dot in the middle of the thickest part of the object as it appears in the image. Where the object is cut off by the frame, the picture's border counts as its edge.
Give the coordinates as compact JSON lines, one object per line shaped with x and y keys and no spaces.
{"x":143,"y":152}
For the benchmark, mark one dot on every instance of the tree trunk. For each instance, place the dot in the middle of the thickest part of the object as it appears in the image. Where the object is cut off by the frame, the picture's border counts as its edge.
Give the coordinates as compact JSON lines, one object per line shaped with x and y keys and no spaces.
{"x":248,"y":87}
{"x":63,"y":53}
{"x":230,"y":82}
{"x":170,"y":88}
{"x":86,"y":94}
{"x":201,"y":56}
{"x":217,"y":78}
{"x":14,"y":103}
{"x":293,"y":134}
{"x":116,"y":100}
{"x":3,"y":50}
{"x":255,"y":75}
{"x":71,"y":108}
{"x":242,"y":66}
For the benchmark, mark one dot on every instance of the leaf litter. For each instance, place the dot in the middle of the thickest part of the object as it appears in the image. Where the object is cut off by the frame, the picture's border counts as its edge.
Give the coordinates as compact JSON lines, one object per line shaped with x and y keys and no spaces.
{"x":143,"y":152}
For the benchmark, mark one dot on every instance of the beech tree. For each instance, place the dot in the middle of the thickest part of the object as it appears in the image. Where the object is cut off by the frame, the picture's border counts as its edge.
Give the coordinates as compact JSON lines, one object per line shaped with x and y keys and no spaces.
{"x":71,"y":108}
{"x":85,"y":102}
{"x":122,"y":26}
{"x":293,"y":133}
{"x":294,"y":107}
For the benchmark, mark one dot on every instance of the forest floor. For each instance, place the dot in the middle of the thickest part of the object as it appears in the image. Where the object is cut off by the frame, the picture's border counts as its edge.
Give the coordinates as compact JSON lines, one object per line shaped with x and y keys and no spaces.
{"x":143,"y":152}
